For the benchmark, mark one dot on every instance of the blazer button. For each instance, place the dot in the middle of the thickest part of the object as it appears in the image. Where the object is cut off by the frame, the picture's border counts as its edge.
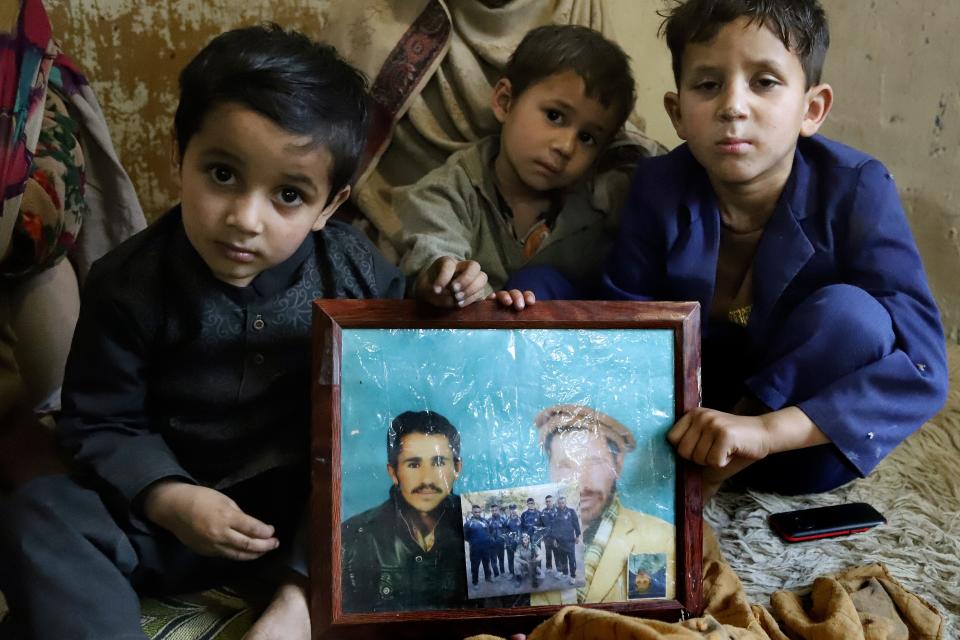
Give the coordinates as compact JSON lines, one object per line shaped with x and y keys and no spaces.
{"x":258,"y":358}
{"x":419,"y":558}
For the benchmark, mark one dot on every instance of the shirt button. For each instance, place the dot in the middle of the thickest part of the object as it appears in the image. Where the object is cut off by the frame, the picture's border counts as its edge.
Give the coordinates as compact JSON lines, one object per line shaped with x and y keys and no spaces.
{"x":871,"y":435}
{"x":258,"y":358}
{"x":419,"y":558}
{"x":259,"y":324}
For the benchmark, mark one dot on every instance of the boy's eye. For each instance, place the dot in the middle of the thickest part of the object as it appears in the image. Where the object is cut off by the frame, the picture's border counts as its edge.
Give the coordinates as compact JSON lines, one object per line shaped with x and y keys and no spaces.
{"x":221,"y":175}
{"x":554,"y":116}
{"x":586,"y":138}
{"x":767,"y":82}
{"x":707,"y":86}
{"x":290,"y":197}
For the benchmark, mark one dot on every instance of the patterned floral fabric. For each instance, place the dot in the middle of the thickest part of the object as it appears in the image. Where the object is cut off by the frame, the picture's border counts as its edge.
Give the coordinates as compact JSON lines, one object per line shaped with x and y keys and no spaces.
{"x":41,"y":164}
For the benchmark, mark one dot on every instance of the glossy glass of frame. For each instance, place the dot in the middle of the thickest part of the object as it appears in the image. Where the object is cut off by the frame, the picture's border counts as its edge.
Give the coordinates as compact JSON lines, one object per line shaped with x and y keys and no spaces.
{"x":473,"y":471}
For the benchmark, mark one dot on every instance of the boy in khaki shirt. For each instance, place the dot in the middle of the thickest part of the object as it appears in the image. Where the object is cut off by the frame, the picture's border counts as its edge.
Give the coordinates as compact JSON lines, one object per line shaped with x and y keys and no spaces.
{"x":520,"y":198}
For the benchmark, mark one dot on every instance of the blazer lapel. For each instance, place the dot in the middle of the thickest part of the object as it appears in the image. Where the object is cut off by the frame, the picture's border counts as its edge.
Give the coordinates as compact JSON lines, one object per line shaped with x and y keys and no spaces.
{"x":692,"y":262}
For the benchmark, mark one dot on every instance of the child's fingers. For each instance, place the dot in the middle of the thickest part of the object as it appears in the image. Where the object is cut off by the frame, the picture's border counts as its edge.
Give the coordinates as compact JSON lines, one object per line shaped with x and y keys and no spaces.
{"x":466,"y":272}
{"x":442,"y":272}
{"x":687,"y":445}
{"x":474,"y":290}
{"x":250,"y":526}
{"x":704,"y":445}
{"x":516,"y":299}
{"x":720,"y":454}
{"x":503,"y":298}
{"x":680,"y":427}
{"x":237,"y":553}
{"x":245,"y":544}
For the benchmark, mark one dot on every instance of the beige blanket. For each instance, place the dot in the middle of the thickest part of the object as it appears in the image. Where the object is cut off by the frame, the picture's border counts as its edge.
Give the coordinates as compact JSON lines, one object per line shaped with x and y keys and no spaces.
{"x":863,"y":603}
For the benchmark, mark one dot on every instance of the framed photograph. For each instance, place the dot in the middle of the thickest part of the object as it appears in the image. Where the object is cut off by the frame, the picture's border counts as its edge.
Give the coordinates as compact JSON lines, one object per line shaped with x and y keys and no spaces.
{"x":476,"y":470}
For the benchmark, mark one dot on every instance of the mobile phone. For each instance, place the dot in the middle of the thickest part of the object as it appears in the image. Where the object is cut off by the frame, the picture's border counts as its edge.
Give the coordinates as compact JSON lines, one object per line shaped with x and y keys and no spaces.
{"x":825,"y":522}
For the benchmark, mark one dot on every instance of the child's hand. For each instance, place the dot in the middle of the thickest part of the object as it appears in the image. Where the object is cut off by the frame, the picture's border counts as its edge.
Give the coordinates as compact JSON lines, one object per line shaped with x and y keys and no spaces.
{"x":449,"y":283}
{"x":513,"y":298}
{"x":714,"y":439}
{"x":207,"y":521}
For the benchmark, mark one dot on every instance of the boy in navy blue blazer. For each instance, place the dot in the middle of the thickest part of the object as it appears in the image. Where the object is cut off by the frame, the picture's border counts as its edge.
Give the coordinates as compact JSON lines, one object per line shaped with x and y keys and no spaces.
{"x":822,"y":345}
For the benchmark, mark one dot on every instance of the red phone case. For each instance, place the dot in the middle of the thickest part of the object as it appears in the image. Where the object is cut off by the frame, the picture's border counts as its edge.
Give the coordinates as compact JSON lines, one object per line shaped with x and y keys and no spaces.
{"x":825,"y":522}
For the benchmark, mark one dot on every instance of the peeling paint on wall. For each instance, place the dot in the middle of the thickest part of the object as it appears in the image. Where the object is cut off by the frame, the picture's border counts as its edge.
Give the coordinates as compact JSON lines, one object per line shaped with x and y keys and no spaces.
{"x":132,"y":51}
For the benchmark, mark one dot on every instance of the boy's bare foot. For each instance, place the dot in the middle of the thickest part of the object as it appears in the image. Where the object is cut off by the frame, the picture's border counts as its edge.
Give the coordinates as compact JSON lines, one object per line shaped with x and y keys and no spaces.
{"x":287,"y":617}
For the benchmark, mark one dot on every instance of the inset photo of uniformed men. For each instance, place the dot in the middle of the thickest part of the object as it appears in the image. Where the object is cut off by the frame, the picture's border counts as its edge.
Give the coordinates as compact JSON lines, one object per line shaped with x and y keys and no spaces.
{"x":522,"y":540}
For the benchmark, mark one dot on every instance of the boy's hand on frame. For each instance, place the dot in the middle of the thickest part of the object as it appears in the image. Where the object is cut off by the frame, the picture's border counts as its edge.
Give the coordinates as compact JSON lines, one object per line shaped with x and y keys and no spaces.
{"x":716,"y":439}
{"x":514,"y":298}
{"x":451,"y":283}
{"x":207,"y":521}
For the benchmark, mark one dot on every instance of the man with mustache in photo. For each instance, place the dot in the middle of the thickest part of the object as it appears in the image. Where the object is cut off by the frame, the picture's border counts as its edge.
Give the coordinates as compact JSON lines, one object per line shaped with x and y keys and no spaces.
{"x":407,"y":553}
{"x":588,"y":447}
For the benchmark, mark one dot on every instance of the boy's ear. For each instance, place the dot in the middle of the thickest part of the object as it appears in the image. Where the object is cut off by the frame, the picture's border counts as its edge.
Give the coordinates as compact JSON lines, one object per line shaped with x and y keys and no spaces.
{"x":502,"y":99}
{"x":671,"y":103}
{"x":819,"y":100}
{"x":331,"y":208}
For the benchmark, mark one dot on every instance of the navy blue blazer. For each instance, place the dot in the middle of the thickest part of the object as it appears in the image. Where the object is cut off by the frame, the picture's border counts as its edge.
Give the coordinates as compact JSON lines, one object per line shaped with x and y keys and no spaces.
{"x":839,"y":220}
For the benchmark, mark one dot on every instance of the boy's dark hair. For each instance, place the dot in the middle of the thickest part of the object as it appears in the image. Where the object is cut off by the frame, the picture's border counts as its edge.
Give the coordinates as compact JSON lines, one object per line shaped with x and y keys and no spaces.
{"x":800,"y":24}
{"x":602,"y":64}
{"x":425,"y":422}
{"x":301,"y":85}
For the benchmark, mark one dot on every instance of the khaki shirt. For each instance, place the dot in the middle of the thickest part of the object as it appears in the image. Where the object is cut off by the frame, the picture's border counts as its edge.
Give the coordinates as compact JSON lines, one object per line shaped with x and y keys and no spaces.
{"x":454,"y":211}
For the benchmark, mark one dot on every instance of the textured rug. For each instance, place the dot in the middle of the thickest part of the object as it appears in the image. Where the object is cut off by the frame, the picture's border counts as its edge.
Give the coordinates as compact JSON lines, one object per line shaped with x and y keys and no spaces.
{"x":917,"y":488}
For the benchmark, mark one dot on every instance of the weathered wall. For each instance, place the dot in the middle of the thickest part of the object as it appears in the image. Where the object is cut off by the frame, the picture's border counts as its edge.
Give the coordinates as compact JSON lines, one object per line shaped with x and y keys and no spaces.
{"x":132,"y":51}
{"x":890,"y":64}
{"x":898,"y":98}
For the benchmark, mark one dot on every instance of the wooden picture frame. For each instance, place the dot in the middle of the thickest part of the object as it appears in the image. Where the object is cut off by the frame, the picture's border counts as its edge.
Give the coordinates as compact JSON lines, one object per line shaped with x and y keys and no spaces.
{"x":642,"y":358}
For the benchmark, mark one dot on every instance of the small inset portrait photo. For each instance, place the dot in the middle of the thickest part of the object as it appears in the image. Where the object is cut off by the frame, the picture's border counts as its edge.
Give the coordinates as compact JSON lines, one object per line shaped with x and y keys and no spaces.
{"x":522,"y":540}
{"x":647,"y":576}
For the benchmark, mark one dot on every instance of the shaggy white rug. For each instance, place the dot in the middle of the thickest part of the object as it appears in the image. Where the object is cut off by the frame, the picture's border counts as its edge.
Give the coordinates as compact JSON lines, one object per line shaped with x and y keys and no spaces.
{"x":917,"y":488}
